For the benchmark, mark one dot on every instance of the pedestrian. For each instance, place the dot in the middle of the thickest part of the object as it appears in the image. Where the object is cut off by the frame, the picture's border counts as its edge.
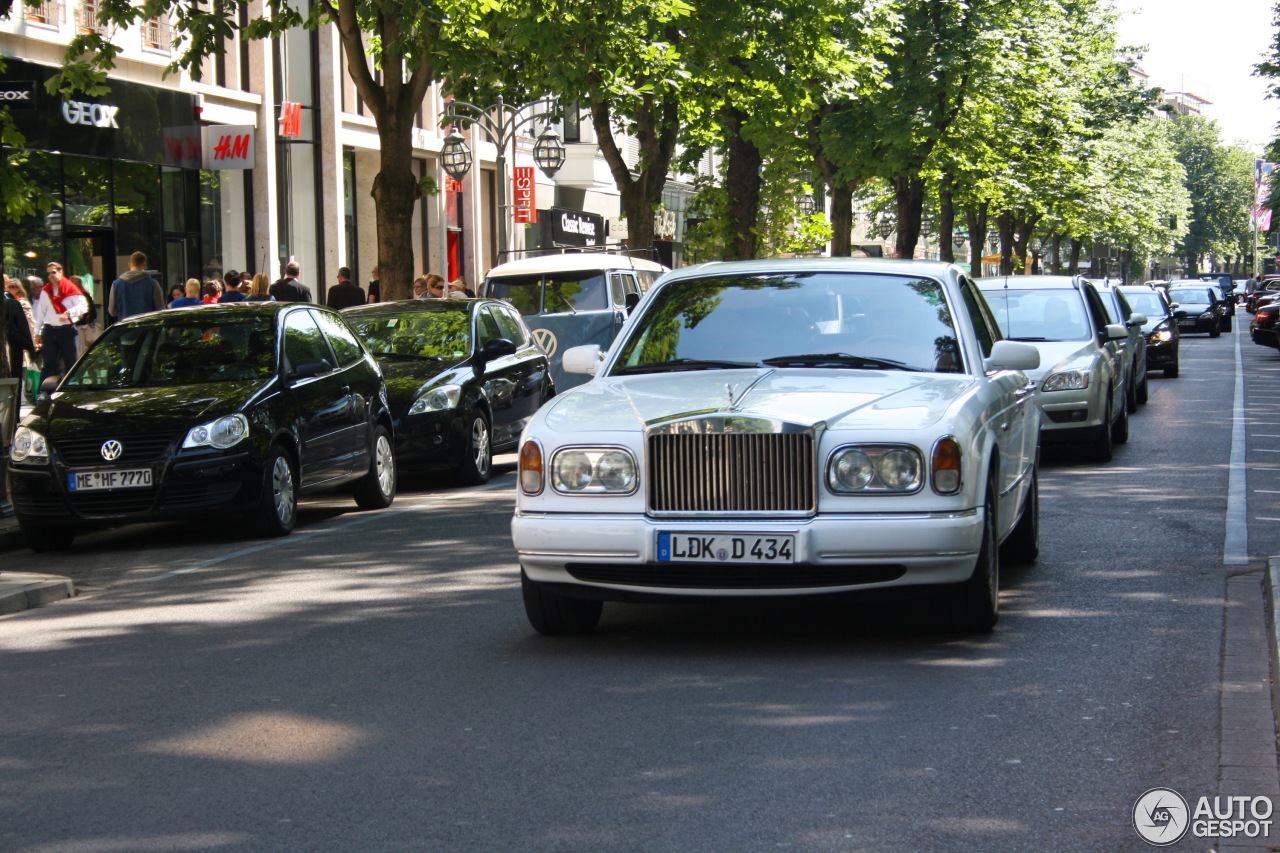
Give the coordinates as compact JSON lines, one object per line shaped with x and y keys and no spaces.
{"x":211,"y":292}
{"x":176,"y":292}
{"x":289,"y":289}
{"x":21,"y":292}
{"x":231,"y":290}
{"x":192,"y":297}
{"x":375,"y":285}
{"x":258,"y":289}
{"x":16,"y":338}
{"x":87,"y":328}
{"x":458,"y":290}
{"x":420,"y":287}
{"x":134,"y":292}
{"x":345,"y":293}
{"x":58,"y":306}
{"x":433,"y":286}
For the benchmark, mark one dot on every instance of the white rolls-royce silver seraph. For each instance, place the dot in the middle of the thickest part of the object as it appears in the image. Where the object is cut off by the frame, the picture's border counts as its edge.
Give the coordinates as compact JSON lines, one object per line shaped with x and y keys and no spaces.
{"x":779,"y":428}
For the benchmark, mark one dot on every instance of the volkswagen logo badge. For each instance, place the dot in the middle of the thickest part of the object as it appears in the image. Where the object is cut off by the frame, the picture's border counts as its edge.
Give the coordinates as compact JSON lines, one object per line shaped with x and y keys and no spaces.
{"x":547,"y":340}
{"x":111,"y":450}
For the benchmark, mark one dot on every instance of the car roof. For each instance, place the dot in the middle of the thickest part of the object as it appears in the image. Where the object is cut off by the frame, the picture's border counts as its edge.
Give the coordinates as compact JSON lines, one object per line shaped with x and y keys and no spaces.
{"x":573,"y":262}
{"x":417,"y":306}
{"x":931,"y":269}
{"x":1029,"y":282}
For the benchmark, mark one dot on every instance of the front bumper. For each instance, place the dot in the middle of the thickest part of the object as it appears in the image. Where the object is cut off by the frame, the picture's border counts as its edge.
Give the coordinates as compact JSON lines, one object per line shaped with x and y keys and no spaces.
{"x":1070,"y":415}
{"x":616,"y":556}
{"x":431,"y":440}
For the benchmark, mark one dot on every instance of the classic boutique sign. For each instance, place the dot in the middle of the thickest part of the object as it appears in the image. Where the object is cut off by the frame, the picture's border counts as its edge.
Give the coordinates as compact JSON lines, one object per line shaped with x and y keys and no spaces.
{"x":576,"y":228}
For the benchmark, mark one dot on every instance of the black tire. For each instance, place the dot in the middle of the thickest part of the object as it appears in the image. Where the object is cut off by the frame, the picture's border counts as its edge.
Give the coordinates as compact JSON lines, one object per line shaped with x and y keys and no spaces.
{"x":1131,"y":395}
{"x":1144,"y":390}
{"x":1216,"y":331}
{"x":1171,"y":372}
{"x":477,"y":463}
{"x":1120,"y":429}
{"x":377,"y":489}
{"x":1103,"y":447}
{"x":1023,"y":545}
{"x":277,"y":510}
{"x":45,"y":539}
{"x":556,"y":615}
{"x":977,"y":604}
{"x":1227,"y":328}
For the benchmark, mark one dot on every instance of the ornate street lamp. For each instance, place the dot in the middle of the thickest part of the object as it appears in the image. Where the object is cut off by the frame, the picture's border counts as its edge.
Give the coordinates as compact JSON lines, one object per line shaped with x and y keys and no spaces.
{"x":958,"y":241}
{"x":885,"y":228}
{"x":807,"y":206}
{"x":455,"y":156}
{"x":926,"y":227}
{"x":548,"y":152}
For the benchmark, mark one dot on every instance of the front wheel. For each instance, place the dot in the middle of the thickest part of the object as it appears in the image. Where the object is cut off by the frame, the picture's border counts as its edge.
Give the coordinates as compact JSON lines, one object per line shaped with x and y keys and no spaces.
{"x":553,"y":614}
{"x":977,"y":606}
{"x":1171,"y":372}
{"x":477,"y":461}
{"x":1120,"y":431}
{"x":377,"y":489}
{"x":277,"y":510}
{"x":1144,"y":392}
{"x":1102,"y":447}
{"x":1216,"y":331}
{"x":1023,"y":545}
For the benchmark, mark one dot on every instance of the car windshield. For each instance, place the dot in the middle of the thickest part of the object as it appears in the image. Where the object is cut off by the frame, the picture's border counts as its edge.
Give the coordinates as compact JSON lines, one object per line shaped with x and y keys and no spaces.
{"x":1042,"y":314}
{"x":427,"y":334}
{"x":1190,"y":296}
{"x":179,"y":352}
{"x":1145,"y":302}
{"x":814,"y":319}
{"x":554,"y":293}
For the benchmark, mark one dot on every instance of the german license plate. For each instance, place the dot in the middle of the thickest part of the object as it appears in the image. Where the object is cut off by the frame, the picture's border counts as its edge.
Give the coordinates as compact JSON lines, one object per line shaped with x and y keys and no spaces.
{"x":1184,"y":324}
{"x":121,"y":478}
{"x":726,"y":548}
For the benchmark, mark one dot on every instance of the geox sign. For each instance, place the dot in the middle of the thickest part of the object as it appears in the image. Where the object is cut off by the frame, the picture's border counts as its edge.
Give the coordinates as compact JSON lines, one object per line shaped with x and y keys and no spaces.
{"x":93,"y":115}
{"x":18,"y":94}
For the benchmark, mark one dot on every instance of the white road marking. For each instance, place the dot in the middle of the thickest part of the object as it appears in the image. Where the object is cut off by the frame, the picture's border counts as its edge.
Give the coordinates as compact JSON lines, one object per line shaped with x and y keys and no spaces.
{"x":1235,"y":545}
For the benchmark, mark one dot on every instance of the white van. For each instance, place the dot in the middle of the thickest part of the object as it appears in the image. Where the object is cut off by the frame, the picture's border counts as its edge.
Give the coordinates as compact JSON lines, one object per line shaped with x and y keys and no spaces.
{"x":572,"y":299}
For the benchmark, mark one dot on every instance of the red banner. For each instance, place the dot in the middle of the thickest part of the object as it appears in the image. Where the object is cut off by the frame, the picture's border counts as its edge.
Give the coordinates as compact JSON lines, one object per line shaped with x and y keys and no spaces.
{"x":524,"y":195}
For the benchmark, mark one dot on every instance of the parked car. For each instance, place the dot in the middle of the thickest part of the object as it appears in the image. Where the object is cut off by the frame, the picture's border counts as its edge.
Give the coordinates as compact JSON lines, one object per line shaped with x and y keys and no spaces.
{"x":1081,"y":381}
{"x":1197,"y":309}
{"x":572,"y":299}
{"x":1262,"y":330}
{"x":463,"y":378}
{"x":1161,"y":328}
{"x":784,"y":427}
{"x":1226,"y":286}
{"x":1225,"y":307}
{"x":1268,"y":288}
{"x":1133,"y":350}
{"x":197,"y":412}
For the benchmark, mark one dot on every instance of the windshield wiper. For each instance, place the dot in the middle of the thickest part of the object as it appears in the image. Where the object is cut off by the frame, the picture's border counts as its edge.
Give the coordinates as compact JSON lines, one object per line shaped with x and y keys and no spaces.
{"x":408,"y":355}
{"x":1026,"y":339}
{"x":836,"y":359}
{"x":681,"y":364}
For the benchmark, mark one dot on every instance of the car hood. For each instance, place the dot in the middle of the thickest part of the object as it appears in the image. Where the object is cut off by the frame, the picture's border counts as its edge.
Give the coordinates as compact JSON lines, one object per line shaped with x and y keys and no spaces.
{"x":843,"y":399}
{"x":1056,"y":355}
{"x":406,"y":378}
{"x":142,"y":410}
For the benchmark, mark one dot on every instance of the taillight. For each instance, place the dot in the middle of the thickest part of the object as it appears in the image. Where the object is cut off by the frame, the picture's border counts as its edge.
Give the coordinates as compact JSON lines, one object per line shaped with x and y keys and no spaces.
{"x":1260,"y":317}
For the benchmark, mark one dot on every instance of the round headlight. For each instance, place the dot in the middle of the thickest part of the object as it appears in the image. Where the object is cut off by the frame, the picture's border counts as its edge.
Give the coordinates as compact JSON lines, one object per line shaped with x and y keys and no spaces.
{"x":899,"y":469}
{"x":615,"y":471}
{"x":573,"y":470}
{"x":28,"y":444}
{"x":852,"y":470}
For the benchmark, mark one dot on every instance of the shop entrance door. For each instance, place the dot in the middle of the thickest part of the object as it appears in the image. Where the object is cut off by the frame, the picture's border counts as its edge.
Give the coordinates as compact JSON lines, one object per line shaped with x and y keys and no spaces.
{"x":91,"y":255}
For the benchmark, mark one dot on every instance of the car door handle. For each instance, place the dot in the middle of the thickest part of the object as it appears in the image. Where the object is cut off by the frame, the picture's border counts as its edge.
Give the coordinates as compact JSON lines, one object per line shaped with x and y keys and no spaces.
{"x":1025,"y":390}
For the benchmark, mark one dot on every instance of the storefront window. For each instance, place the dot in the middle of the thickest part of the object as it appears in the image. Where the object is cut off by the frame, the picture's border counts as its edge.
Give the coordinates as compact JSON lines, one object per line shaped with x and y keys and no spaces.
{"x":137,"y":212}
{"x":88,"y":189}
{"x":30,"y":244}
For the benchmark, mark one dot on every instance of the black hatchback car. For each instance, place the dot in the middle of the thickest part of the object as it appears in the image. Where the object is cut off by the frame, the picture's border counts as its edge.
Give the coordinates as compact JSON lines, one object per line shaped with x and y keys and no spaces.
{"x":214,"y":408}
{"x":1161,"y":327}
{"x":1197,"y":308}
{"x":463,"y":376}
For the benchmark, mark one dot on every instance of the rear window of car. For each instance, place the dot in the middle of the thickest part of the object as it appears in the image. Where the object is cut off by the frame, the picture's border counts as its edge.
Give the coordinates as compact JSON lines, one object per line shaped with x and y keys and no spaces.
{"x":1148,"y":303}
{"x":1189,"y":295}
{"x":1039,"y":314}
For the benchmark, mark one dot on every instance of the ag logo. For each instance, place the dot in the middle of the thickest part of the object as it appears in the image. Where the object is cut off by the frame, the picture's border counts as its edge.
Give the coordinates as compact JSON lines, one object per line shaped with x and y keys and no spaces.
{"x":111,"y":450}
{"x":545,"y":339}
{"x":1161,"y":816}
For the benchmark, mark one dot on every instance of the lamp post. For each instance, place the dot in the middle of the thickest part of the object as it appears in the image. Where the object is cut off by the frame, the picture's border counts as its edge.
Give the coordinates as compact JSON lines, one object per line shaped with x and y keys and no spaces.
{"x":499,"y":124}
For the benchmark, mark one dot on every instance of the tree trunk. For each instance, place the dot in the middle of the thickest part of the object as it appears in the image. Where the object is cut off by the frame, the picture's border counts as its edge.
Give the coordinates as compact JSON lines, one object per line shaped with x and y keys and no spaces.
{"x":841,"y":222}
{"x":908,"y":194}
{"x":656,"y":127}
{"x":976,"y":219}
{"x":1057,"y":254}
{"x":946,"y":221}
{"x":1073,"y":265}
{"x":1005,"y":225}
{"x":742,"y":186}
{"x":395,"y":190}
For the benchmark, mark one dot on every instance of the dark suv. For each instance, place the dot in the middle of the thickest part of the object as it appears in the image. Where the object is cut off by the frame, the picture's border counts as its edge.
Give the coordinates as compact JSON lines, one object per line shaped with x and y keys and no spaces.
{"x":215,"y":408}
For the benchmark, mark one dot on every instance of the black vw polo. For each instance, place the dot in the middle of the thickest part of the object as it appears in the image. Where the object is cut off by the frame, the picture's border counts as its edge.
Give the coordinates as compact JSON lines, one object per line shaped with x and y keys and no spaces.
{"x":218,"y":407}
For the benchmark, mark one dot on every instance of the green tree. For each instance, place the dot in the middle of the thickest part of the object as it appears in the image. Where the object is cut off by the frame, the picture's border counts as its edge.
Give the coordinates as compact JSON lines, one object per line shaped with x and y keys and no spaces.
{"x":1220,"y":190}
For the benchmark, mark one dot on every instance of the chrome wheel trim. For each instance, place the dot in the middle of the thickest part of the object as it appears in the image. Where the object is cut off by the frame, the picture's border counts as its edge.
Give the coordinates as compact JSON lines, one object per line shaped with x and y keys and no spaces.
{"x":384,"y":462}
{"x":282,"y":490}
{"x":480,"y":445}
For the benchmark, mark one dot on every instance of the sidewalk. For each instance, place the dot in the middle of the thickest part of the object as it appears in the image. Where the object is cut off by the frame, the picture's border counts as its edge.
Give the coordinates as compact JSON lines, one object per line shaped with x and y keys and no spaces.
{"x":24,"y":590}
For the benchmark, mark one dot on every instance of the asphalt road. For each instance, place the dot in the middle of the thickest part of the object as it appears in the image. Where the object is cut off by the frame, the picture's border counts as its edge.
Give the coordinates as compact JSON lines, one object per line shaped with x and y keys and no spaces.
{"x":370,"y":683}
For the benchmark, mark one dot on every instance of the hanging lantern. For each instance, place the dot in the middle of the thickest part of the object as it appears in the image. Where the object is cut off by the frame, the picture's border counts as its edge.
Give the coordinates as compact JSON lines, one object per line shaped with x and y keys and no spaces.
{"x":548,"y":152}
{"x":455,"y":156}
{"x":885,"y":228}
{"x":926,"y":227}
{"x":807,"y":206}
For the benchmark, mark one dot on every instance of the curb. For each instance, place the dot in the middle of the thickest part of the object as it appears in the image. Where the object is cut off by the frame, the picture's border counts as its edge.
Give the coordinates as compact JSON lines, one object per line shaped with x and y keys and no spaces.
{"x":23,"y":590}
{"x":1271,"y":602}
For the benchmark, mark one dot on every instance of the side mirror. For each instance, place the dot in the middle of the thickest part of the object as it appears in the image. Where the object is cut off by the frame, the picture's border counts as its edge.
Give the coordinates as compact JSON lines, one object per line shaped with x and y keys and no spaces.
{"x":583,"y":359}
{"x":1137,"y":319}
{"x":1114,"y":332}
{"x":1012,"y":355}
{"x":497,"y":349}
{"x":1173,"y":306}
{"x":49,"y":385}
{"x":308,"y":369}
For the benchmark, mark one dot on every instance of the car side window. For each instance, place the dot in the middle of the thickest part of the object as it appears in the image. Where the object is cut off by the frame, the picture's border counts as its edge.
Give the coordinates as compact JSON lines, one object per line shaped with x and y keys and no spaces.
{"x":509,"y":324}
{"x":984,"y":326}
{"x":303,"y":340}
{"x":617,"y":289}
{"x":487,"y":328}
{"x":1096,"y":309}
{"x":1126,"y":310}
{"x":344,"y":344}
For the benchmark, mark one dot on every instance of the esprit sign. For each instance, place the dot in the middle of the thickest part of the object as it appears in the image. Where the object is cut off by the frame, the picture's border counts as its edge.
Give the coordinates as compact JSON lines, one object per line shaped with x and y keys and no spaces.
{"x":90,"y":115}
{"x":524,"y":188}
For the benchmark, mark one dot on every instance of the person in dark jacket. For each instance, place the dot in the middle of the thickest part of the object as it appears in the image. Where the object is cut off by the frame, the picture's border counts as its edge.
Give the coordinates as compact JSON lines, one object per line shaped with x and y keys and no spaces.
{"x":345,"y":293}
{"x":135,"y":292}
{"x":15,"y":335}
{"x":289,"y":289}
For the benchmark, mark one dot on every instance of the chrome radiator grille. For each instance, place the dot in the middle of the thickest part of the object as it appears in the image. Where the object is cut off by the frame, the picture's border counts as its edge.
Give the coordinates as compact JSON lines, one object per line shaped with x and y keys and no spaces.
{"x":731,"y":473}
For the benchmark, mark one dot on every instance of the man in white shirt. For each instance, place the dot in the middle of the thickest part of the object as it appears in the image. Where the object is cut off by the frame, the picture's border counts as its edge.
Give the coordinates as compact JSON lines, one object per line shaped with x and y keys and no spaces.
{"x":58,"y":305}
